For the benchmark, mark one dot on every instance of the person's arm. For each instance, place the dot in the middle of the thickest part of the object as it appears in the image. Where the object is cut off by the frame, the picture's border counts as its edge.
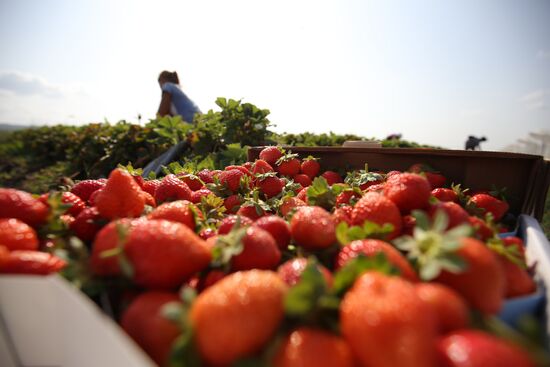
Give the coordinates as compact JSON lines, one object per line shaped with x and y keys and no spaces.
{"x":164,"y":107}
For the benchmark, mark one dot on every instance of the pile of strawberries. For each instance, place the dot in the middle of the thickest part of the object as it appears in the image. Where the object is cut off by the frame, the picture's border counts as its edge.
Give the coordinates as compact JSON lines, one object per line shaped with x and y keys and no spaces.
{"x":272,"y":263}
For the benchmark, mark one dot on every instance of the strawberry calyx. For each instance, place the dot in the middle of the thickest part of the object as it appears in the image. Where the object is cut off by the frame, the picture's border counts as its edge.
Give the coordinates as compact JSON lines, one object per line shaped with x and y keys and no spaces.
{"x":346,"y":233}
{"x":130,"y":169}
{"x":511,"y":253}
{"x":118,"y":251}
{"x":323,"y":195}
{"x":286,"y":157}
{"x":362,"y":177}
{"x":432,"y":249}
{"x":310,"y":158}
{"x":227,"y":246}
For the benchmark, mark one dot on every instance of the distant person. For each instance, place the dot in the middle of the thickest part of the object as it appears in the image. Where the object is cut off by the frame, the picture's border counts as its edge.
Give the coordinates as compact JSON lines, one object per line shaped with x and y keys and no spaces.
{"x":394,"y":137}
{"x":473,"y":143}
{"x":174,"y":102}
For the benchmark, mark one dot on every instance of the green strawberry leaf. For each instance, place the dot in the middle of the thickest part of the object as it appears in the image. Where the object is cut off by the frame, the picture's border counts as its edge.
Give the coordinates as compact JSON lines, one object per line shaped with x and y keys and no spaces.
{"x":304,"y":297}
{"x":346,"y":234}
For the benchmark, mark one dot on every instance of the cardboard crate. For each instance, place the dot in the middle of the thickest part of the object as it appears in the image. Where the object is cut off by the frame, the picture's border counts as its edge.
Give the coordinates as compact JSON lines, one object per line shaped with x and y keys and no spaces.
{"x":526,"y":177}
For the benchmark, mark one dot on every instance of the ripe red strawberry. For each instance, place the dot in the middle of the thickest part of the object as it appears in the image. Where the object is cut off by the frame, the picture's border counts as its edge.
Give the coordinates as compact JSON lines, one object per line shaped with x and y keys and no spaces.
{"x":232,"y":203}
{"x":93,"y":197}
{"x":513,"y":241}
{"x":302,"y":179}
{"x":231,"y":179}
{"x":172,"y":188}
{"x":76,"y":203}
{"x":270,"y":186}
{"x":291,"y":271}
{"x":483,"y":283}
{"x":228,"y":222}
{"x":67,"y":219}
{"x":144,"y":322}
{"x":260,"y":251}
{"x":408,"y":191}
{"x":302,"y":194}
{"x":164,"y":254}
{"x":150,"y":186}
{"x":345,"y":197}
{"x":474,"y":348}
{"x":251,"y":211}
{"x":17,"y":235}
{"x":435,"y":178}
{"x":387,"y":324}
{"x":491,"y":205}
{"x":277,"y":227}
{"x":313,"y":347}
{"x":192,"y":181}
{"x":518,"y":280}
{"x":343,"y":214}
{"x":483,"y":231}
{"x":206,"y":176}
{"x":206,"y":233}
{"x":378,"y":209}
{"x":248,"y":301}
{"x":371,"y":247}
{"x":289,"y":204}
{"x":121,"y":197}
{"x":23,"y":206}
{"x":197,"y":196}
{"x":211,"y":278}
{"x":260,"y":166}
{"x":289,"y":167}
{"x":85,"y":188}
{"x":29,"y":262}
{"x":271,"y":155}
{"x":176,"y":211}
{"x":332,"y":177}
{"x":449,"y":308}
{"x":239,"y":168}
{"x":455,"y":213}
{"x":379,"y":188}
{"x":149,"y":200}
{"x":443,"y":194}
{"x":86,"y":224}
{"x":310,"y":167}
{"x":312,"y":227}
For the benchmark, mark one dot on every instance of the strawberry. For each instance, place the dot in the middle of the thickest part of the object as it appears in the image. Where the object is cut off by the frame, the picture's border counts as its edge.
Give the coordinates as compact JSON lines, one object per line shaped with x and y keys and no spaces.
{"x":435,"y":178}
{"x":483,"y":283}
{"x":206,"y":176}
{"x":248,"y":166}
{"x":518,"y":280}
{"x":513,"y":241}
{"x":302,"y":179}
{"x":271,"y":154}
{"x":310,"y":167}
{"x":193,"y":182}
{"x":260,"y":251}
{"x":490,"y":204}
{"x":151,"y":186}
{"x":76,"y":205}
{"x":144,"y":322}
{"x":176,"y":211}
{"x":313,"y":347}
{"x":197,"y":196}
{"x":302,"y":194}
{"x":121,"y":197}
{"x":85,"y":188}
{"x":291,"y":271}
{"x":164,"y":254}
{"x":290,"y":204}
{"x":232,"y":203}
{"x":443,"y":194}
{"x":332,"y":177}
{"x":378,"y":209}
{"x":148,"y":199}
{"x":231,"y":179}
{"x":371,"y":247}
{"x":251,"y":211}
{"x":30,"y":262}
{"x":206,"y":233}
{"x":93,"y":197}
{"x":343,"y":214}
{"x":172,"y":188}
{"x":17,"y":235}
{"x":386,"y":323}
{"x":243,"y":169}
{"x":260,"y":167}
{"x":211,"y":278}
{"x":86,"y":224}
{"x":345,"y":197}
{"x":277,"y":227}
{"x":379,"y":188}
{"x":288,"y":165}
{"x":455,"y":213}
{"x":473,"y":348}
{"x":449,"y":308}
{"x":228,"y":222}
{"x":23,"y":206}
{"x":483,"y":231}
{"x":408,"y":191}
{"x":270,"y":186}
{"x":312,"y":227}
{"x":248,"y":301}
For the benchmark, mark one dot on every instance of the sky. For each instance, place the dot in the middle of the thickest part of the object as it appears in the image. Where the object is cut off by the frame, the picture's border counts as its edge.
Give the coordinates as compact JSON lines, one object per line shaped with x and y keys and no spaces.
{"x":435,"y":71}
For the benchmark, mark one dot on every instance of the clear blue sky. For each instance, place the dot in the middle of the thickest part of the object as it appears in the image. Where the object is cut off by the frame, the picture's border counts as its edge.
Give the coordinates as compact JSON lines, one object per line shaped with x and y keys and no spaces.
{"x":433,"y":70}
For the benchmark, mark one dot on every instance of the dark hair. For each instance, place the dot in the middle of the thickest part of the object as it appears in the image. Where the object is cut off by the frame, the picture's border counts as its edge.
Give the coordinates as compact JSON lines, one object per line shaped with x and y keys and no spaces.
{"x":171,"y":77}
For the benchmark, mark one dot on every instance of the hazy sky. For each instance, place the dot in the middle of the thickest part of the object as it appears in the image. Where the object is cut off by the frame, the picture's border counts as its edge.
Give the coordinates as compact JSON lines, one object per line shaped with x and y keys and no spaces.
{"x":435,"y":70}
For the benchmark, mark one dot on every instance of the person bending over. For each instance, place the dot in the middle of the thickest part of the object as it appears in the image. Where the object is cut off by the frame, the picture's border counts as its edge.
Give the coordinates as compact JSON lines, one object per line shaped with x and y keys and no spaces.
{"x":174,"y":101}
